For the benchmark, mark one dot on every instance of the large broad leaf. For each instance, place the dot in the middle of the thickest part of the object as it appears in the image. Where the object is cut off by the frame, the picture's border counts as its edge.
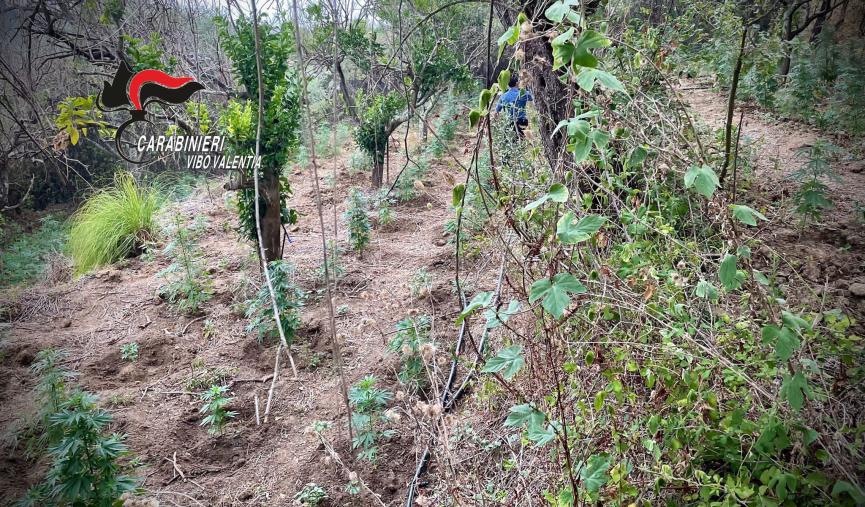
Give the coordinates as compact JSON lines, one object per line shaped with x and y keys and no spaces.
{"x":587,"y":77}
{"x":521,"y":414}
{"x":593,"y":475}
{"x":706,"y":290}
{"x":459,"y":193}
{"x":702,"y":179}
{"x":728,"y":273}
{"x":496,"y":318}
{"x":746,"y":215}
{"x":556,"y":193}
{"x":504,"y":78}
{"x":561,"y":9}
{"x":794,"y":389}
{"x":555,"y":292}
{"x":508,"y":361}
{"x":570,"y":232}
{"x":784,"y":339}
{"x":589,"y":39}
{"x":481,"y":300}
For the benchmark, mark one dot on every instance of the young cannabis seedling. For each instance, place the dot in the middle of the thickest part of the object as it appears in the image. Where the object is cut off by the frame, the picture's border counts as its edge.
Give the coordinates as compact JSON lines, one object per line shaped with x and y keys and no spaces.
{"x":415,"y":349}
{"x":215,"y":402}
{"x":129,"y":352}
{"x":311,"y":495}
{"x":367,"y":417}
{"x":334,"y":266}
{"x":358,"y":221}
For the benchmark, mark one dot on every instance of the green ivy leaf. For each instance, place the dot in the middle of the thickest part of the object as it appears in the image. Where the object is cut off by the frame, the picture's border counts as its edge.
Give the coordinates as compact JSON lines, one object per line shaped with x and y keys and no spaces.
{"x":555,"y":292}
{"x":571,"y":233}
{"x":728,"y":273}
{"x":481,"y":300}
{"x":474,"y":118}
{"x":593,"y":474}
{"x":458,"y":193}
{"x":496,"y":318}
{"x":560,"y":10}
{"x":637,"y":156}
{"x":786,"y":344}
{"x":587,"y":77}
{"x":794,"y":389}
{"x":504,"y":79}
{"x":510,"y":37}
{"x":520,"y":414}
{"x":556,"y":193}
{"x":706,"y":290}
{"x":589,"y":39}
{"x":794,"y":321}
{"x":509,"y":361}
{"x":746,"y":215}
{"x":484,"y":100}
{"x":702,"y":179}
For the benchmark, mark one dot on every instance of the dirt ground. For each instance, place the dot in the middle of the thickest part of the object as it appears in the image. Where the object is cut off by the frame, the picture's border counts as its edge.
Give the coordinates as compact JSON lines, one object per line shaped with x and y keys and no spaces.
{"x":822,"y":264}
{"x":93,"y":316}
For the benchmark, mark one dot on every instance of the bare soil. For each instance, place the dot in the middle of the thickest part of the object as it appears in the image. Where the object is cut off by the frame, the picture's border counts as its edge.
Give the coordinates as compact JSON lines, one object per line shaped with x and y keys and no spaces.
{"x":821,"y":264}
{"x":93,"y":316}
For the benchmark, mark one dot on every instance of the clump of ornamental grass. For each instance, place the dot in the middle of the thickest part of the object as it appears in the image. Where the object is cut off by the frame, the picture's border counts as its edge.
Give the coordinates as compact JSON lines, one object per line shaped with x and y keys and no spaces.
{"x":114,"y":223}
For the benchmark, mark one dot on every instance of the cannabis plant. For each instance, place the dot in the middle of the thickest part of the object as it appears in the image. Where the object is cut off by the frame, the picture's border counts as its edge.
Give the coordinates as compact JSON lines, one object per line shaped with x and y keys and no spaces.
{"x":812,"y":197}
{"x":215,"y":402}
{"x":334,"y":266}
{"x":129,"y":352}
{"x":289,"y":301}
{"x":358,"y":221}
{"x":367,"y":417}
{"x":189,"y":285}
{"x":86,"y":468}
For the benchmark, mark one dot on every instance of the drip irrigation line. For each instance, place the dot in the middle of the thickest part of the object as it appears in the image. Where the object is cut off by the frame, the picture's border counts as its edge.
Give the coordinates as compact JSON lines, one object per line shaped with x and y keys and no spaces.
{"x":447,"y":400}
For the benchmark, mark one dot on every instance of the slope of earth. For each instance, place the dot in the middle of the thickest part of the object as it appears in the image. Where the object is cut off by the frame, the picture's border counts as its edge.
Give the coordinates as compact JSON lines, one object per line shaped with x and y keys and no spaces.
{"x":820,"y":264}
{"x":155,"y":400}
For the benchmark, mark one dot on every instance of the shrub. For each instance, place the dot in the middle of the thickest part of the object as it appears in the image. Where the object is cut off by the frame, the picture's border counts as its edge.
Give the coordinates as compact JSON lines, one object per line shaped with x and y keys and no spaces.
{"x":25,"y":257}
{"x":367,"y":417}
{"x":311,"y":495}
{"x":113,"y":224}
{"x":289,"y":300}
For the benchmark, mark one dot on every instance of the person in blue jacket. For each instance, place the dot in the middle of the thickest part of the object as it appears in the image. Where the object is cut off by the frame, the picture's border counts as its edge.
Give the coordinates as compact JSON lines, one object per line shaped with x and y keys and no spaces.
{"x":514,"y":102}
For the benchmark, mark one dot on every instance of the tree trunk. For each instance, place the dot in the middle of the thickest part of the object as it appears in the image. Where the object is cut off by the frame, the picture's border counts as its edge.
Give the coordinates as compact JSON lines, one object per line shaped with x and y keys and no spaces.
{"x":550,"y":98}
{"x":271,"y":221}
{"x":377,"y":172}
{"x":788,"y":35}
{"x":820,"y":20}
{"x":346,"y":94}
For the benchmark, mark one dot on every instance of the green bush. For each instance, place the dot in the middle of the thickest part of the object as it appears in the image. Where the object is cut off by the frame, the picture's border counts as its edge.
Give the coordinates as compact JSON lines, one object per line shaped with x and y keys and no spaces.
{"x":367,"y":417}
{"x":113,"y":224}
{"x":24,"y":259}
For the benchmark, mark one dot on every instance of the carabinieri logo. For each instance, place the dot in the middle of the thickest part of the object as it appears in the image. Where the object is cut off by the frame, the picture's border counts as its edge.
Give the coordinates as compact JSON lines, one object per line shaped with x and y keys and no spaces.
{"x":134,"y":91}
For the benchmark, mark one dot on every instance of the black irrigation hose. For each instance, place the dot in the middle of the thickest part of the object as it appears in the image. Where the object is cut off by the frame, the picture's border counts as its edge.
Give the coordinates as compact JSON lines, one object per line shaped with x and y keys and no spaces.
{"x":446,"y":401}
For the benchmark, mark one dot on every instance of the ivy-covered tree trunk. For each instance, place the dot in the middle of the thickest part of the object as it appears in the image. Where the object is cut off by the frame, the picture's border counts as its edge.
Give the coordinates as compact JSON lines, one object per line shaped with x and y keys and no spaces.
{"x":550,"y":97}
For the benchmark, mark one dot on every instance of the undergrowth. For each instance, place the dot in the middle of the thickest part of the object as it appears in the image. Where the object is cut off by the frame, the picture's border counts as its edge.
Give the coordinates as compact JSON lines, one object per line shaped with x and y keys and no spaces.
{"x":113,"y":224}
